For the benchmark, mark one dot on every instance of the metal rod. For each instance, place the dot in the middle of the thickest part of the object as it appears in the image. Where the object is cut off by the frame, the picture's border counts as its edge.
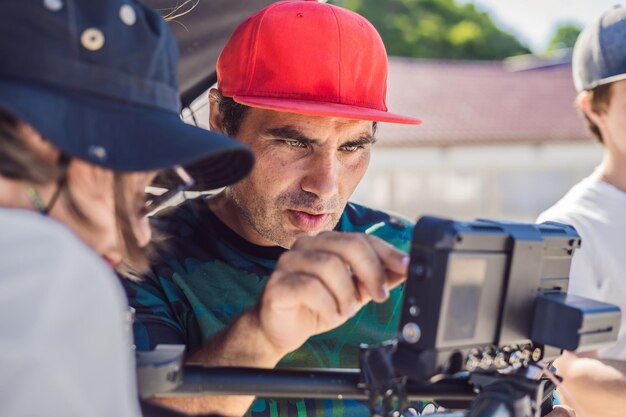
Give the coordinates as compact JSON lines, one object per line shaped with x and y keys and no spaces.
{"x":301,"y":383}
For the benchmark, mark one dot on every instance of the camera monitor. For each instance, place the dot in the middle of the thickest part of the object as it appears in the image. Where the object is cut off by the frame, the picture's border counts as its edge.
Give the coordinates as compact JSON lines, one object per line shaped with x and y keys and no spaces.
{"x":493,"y":295}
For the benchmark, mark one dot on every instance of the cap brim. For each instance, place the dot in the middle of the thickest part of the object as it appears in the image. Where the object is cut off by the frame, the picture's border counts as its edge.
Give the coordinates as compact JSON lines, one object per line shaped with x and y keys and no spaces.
{"x":315,"y":108}
{"x":603,"y":81}
{"x":126,"y":137}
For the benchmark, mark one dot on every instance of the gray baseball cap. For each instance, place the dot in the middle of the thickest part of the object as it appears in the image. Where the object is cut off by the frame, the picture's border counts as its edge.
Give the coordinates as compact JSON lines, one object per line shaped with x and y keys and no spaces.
{"x":599,"y":55}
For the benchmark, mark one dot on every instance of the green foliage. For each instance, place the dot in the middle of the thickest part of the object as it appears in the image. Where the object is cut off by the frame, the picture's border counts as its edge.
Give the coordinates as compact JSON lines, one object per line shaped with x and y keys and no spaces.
{"x":436,"y":29}
{"x":564,"y":37}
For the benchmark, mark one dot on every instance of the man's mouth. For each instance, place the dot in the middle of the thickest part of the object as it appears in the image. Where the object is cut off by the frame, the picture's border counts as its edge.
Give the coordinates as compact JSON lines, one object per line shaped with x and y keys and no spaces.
{"x":306,"y":221}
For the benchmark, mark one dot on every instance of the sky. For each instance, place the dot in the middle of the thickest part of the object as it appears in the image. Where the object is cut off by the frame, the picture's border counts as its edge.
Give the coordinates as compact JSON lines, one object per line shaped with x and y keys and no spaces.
{"x":534,"y":21}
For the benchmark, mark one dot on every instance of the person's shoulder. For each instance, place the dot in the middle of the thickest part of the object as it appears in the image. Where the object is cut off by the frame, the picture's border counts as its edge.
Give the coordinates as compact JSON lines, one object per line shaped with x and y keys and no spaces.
{"x":43,"y":241}
{"x":47,"y":272}
{"x":17,"y":225}
{"x":49,"y":261}
{"x":182,"y":219}
{"x":359,"y":218}
{"x":391,"y":227}
{"x":583,"y":203}
{"x":183,"y":231}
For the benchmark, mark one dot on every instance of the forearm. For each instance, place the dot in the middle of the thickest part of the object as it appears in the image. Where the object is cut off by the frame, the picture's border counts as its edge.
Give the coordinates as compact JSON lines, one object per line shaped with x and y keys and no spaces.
{"x":598,"y":386}
{"x":241,"y":344}
{"x":316,"y":286}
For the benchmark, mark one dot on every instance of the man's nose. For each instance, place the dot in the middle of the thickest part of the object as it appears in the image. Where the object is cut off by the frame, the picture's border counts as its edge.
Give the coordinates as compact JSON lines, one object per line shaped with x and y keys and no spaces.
{"x":322,"y":175}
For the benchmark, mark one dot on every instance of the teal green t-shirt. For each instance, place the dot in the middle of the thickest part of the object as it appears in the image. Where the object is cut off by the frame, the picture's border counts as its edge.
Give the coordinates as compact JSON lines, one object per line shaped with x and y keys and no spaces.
{"x":207,"y":275}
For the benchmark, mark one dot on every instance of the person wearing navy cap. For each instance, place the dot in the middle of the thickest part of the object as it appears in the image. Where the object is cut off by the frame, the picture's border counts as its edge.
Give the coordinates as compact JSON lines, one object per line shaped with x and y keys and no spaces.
{"x":596,"y":208}
{"x":89,"y":114}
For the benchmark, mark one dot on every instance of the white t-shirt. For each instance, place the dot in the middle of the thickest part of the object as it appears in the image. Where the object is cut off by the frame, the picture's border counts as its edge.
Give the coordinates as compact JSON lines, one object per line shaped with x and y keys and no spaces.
{"x":598,"y":212}
{"x":64,"y":342}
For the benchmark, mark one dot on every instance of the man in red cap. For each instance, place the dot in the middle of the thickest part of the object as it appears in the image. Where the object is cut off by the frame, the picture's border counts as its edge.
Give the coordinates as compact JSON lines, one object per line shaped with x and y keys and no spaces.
{"x":302,"y":84}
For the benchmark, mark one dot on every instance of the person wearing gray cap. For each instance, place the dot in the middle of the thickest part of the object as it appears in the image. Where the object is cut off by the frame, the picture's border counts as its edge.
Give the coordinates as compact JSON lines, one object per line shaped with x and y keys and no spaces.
{"x":89,"y":114}
{"x":596,"y":207}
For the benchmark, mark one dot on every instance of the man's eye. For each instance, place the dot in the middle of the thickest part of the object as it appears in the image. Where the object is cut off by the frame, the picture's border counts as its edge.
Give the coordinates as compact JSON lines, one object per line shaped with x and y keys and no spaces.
{"x":292,"y":143}
{"x":351,"y":148}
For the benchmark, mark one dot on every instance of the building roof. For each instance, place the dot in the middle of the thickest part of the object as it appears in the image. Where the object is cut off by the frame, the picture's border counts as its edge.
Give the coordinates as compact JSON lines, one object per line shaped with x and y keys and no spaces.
{"x":480,"y":102}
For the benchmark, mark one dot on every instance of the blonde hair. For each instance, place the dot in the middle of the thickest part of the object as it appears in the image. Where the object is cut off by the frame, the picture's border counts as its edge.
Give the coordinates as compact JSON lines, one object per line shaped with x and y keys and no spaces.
{"x":181,"y":9}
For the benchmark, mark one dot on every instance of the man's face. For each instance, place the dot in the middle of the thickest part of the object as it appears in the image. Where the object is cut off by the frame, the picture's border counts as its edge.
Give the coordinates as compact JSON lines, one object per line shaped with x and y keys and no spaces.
{"x":306,"y":169}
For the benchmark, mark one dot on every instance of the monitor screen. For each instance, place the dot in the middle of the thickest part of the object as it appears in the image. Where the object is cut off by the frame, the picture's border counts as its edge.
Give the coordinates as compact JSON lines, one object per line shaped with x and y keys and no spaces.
{"x":471,"y":299}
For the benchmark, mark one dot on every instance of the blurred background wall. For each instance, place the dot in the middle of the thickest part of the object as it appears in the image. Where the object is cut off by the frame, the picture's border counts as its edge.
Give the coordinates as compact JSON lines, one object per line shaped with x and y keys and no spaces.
{"x":499,"y":139}
{"x":491,"y":80}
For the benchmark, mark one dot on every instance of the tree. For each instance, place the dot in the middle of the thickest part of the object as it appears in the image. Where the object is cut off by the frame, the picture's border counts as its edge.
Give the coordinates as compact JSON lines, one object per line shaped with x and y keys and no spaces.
{"x":436,"y":29}
{"x":564,"y":37}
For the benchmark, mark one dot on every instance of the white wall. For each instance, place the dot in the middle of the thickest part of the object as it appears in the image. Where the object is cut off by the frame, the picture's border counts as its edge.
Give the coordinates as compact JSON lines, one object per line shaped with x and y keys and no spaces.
{"x":506,"y":182}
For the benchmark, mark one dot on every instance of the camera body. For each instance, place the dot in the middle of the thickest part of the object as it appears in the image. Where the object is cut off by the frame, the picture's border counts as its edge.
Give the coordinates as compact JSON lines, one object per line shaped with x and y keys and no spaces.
{"x":483,"y":300}
{"x":488,"y":295}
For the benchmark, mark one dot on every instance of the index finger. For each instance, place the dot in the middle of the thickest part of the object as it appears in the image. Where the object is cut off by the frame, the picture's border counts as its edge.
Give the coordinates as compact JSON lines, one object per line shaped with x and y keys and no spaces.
{"x":393,"y":258}
{"x":374,"y":264}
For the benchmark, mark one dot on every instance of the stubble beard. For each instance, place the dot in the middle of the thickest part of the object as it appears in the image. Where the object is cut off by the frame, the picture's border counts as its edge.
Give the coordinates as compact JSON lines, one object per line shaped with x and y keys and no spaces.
{"x":265,"y":215}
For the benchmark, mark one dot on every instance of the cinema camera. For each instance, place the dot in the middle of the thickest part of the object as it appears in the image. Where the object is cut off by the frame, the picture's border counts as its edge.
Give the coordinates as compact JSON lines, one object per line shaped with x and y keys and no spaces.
{"x":484,"y":302}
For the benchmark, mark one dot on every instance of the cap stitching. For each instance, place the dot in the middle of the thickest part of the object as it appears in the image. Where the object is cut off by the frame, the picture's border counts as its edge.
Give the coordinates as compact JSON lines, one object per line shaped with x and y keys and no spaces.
{"x":600,"y":38}
{"x":340,"y":87}
{"x":73,"y":28}
{"x":253,"y":52}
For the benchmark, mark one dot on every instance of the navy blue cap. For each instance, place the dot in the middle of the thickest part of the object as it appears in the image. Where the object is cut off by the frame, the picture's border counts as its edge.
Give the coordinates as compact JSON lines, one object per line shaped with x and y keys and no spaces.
{"x":599,"y":55}
{"x":98,"y":79}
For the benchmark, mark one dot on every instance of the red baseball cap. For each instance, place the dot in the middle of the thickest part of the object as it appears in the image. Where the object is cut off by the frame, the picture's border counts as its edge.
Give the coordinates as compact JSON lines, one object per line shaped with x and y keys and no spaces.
{"x":309,"y":58}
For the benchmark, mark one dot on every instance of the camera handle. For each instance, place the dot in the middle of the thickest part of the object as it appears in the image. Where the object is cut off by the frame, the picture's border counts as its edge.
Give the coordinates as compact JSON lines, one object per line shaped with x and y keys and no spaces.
{"x":386,"y":391}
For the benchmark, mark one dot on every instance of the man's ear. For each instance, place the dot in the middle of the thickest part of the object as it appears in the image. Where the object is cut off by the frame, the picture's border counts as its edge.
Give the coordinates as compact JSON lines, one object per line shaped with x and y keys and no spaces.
{"x":584,"y":103}
{"x":215,"y":117}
